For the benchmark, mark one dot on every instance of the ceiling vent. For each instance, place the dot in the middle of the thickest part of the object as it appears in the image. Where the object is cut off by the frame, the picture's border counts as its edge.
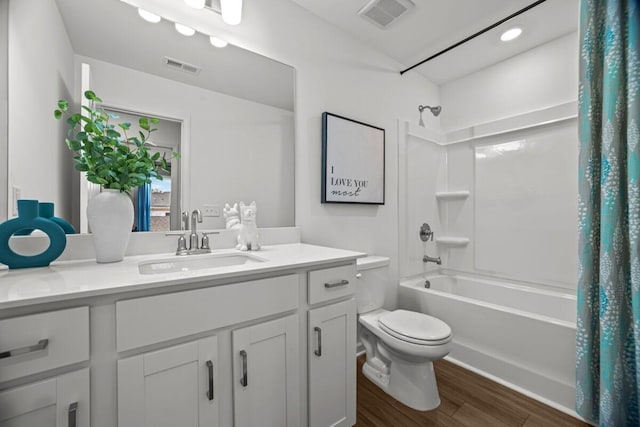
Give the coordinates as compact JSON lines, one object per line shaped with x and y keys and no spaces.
{"x":182,"y":66}
{"x":383,"y":13}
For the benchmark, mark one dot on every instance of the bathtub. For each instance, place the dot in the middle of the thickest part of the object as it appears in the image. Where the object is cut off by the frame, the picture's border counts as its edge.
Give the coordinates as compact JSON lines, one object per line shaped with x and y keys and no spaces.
{"x":520,"y":335}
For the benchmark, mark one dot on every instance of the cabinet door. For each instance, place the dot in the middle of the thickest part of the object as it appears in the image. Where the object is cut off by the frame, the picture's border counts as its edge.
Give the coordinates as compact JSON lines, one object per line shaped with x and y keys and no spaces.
{"x":62,"y":401}
{"x":170,"y":387}
{"x":266,"y":374}
{"x":332,"y":365}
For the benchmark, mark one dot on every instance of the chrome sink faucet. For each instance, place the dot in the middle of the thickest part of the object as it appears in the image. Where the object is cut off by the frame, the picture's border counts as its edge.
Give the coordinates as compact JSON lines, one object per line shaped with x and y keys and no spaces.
{"x":195,"y":247}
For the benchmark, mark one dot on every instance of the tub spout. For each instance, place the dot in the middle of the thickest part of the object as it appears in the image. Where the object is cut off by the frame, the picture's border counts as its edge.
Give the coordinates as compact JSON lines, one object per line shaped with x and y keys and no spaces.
{"x":432,"y":259}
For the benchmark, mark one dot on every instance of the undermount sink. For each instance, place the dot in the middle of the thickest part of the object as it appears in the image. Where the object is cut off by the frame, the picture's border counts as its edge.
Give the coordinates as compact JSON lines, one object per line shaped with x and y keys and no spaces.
{"x":197,"y":262}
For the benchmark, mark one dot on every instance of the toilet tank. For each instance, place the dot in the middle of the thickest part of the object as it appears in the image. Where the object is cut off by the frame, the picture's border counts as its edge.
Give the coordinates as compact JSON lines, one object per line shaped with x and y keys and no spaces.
{"x":371,"y":283}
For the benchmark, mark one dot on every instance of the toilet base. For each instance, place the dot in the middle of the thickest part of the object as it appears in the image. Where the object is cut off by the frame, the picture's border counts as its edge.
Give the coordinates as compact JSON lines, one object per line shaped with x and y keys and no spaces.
{"x":413,"y":384}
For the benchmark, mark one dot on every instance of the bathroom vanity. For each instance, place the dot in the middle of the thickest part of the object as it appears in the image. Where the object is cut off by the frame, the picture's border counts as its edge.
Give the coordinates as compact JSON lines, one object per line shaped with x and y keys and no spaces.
{"x":268,"y":341}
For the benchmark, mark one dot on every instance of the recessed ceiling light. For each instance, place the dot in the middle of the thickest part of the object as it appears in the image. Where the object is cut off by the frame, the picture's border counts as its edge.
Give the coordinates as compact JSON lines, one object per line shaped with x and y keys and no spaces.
{"x":511,"y":34}
{"x":148,"y":16}
{"x":218,"y":42}
{"x":231,"y":11}
{"x":196,"y":4}
{"x":184,"y":30}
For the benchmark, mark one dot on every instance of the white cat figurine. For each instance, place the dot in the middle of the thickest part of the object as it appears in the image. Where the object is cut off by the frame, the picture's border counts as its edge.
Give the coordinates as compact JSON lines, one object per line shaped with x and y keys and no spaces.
{"x":248,"y":239}
{"x":231,"y":216}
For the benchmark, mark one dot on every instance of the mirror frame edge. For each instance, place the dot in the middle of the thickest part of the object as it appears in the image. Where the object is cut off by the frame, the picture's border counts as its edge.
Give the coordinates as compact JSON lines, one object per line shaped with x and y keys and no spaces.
{"x":4,"y":110}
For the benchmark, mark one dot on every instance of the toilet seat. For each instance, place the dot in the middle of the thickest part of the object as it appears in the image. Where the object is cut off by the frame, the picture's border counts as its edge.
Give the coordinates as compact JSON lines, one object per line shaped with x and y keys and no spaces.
{"x":414,"y":327}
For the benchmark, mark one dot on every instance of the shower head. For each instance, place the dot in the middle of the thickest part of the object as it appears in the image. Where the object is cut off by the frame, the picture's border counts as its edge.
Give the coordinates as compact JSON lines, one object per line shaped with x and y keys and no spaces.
{"x":434,"y":110}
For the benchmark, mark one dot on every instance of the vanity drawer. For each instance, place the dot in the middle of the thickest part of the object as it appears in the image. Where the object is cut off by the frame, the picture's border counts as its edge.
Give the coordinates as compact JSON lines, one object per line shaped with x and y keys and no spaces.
{"x":39,"y":342}
{"x":331,"y":283}
{"x":150,"y":320}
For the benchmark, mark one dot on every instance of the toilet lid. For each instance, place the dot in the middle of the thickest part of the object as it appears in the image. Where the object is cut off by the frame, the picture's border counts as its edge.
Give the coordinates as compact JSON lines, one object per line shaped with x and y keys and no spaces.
{"x":415,"y":327}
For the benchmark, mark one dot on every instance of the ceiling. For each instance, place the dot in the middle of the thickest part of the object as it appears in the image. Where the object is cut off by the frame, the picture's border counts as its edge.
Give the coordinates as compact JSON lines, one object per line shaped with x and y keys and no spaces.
{"x":433,"y":25}
{"x":112,"y":31}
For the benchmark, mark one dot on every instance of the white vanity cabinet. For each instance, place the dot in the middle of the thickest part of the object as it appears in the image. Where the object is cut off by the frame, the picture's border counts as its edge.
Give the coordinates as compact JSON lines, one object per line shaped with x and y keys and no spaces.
{"x":266,"y":374}
{"x":34,"y":346}
{"x":175,"y":386}
{"x":332,"y":348}
{"x":61,"y":401}
{"x":270,"y":344}
{"x":332,"y":365}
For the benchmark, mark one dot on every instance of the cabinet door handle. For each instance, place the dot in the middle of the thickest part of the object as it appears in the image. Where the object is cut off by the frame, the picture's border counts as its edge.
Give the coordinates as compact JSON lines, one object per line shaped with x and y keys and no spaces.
{"x":73,"y":412}
{"x":318,"y":351}
{"x":244,"y":380}
{"x":336,"y":284}
{"x":210,"y":369}
{"x":42,"y":344}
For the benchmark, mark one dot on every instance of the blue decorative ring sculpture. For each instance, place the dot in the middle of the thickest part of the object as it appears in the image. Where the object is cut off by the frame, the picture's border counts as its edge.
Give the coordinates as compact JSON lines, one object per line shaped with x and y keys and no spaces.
{"x":28,"y":219}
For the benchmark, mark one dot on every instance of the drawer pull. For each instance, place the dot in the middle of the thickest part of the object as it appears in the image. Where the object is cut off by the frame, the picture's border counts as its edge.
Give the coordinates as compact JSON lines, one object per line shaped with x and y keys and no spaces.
{"x":318,"y":351}
{"x":244,"y":380}
{"x":73,"y":412}
{"x":42,"y":344}
{"x":210,"y":369}
{"x":336,"y":284}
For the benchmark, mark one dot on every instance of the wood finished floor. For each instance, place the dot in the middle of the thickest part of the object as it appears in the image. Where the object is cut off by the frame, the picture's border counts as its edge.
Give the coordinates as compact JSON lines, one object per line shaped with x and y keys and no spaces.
{"x":467,"y":400}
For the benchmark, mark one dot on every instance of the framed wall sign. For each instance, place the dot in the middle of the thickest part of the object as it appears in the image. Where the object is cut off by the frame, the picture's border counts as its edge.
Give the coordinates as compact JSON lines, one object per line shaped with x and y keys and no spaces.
{"x":352,"y":161}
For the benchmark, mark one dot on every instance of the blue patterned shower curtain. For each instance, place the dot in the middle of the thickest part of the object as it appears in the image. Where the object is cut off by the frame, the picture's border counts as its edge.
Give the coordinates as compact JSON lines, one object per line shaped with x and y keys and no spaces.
{"x":608,"y":327}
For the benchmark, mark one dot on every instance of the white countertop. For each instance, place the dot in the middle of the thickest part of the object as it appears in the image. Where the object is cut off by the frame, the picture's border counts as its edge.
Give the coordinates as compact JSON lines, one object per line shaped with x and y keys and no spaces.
{"x":67,"y":280}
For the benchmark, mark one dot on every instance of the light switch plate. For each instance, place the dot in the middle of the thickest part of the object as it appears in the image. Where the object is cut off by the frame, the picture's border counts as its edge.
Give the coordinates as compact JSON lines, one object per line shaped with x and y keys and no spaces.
{"x":211,"y":211}
{"x":16,"y":194}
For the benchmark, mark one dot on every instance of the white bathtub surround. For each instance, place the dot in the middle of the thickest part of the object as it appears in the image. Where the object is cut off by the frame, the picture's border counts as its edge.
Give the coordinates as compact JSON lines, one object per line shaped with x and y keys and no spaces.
{"x":522,"y":335}
{"x":110,"y":215}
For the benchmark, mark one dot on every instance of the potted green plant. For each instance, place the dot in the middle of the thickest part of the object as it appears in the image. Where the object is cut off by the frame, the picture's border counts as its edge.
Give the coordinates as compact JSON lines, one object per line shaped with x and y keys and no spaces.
{"x":115,"y":161}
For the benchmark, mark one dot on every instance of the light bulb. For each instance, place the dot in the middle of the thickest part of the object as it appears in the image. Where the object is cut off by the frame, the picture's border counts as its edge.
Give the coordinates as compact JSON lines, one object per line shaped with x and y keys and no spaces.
{"x":196,"y":4}
{"x":184,"y":30}
{"x":218,"y":42}
{"x":148,"y":16}
{"x":511,"y":34}
{"x":231,"y":11}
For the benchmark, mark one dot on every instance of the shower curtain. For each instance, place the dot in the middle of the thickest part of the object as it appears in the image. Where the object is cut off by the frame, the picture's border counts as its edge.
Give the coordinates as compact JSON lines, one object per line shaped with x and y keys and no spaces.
{"x":608,"y":327}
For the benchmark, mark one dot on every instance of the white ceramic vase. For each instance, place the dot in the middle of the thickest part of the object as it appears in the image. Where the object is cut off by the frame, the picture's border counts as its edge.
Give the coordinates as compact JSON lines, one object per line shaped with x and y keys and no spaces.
{"x":110,"y":215}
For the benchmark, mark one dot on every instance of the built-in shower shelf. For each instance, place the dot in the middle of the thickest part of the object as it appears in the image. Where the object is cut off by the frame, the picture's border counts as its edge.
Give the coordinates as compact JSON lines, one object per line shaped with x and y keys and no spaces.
{"x":452,"y":195}
{"x":454,"y":242}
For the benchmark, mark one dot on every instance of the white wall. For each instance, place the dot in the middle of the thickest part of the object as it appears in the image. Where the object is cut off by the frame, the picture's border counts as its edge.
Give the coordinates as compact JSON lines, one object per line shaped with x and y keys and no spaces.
{"x":238,"y":150}
{"x":338,"y":74}
{"x":40,"y":75}
{"x":539,"y":78}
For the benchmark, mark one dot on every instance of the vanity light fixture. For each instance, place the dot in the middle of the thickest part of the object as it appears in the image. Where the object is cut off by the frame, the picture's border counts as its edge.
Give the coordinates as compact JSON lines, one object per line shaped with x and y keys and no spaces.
{"x":231,"y":11}
{"x":148,"y":16}
{"x":196,"y":4}
{"x":218,"y":42}
{"x":184,"y":30}
{"x":511,"y":34}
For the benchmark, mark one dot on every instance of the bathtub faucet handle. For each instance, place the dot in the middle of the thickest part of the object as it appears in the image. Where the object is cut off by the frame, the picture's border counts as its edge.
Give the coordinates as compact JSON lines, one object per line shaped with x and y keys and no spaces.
{"x":426,"y":233}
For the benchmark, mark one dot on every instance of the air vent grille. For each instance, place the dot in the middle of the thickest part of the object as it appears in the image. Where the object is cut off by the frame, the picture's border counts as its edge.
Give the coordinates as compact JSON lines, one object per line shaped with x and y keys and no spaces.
{"x":383,"y":13}
{"x":182,"y":66}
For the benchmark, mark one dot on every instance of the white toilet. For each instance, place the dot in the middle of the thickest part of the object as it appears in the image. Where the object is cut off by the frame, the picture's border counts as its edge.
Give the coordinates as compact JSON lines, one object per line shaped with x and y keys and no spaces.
{"x":401,"y":345}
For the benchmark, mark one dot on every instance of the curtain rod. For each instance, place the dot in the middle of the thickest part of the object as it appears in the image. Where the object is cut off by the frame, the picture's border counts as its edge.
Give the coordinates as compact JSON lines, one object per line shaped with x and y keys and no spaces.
{"x":473,"y":36}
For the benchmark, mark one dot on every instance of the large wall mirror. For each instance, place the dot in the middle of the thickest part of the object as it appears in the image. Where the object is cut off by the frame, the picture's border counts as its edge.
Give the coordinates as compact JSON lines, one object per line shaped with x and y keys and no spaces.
{"x":228,"y":111}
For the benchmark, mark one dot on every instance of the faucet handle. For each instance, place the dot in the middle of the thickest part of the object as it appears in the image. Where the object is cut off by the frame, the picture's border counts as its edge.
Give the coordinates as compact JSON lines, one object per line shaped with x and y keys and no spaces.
{"x":182,"y":245}
{"x":205,"y":239}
